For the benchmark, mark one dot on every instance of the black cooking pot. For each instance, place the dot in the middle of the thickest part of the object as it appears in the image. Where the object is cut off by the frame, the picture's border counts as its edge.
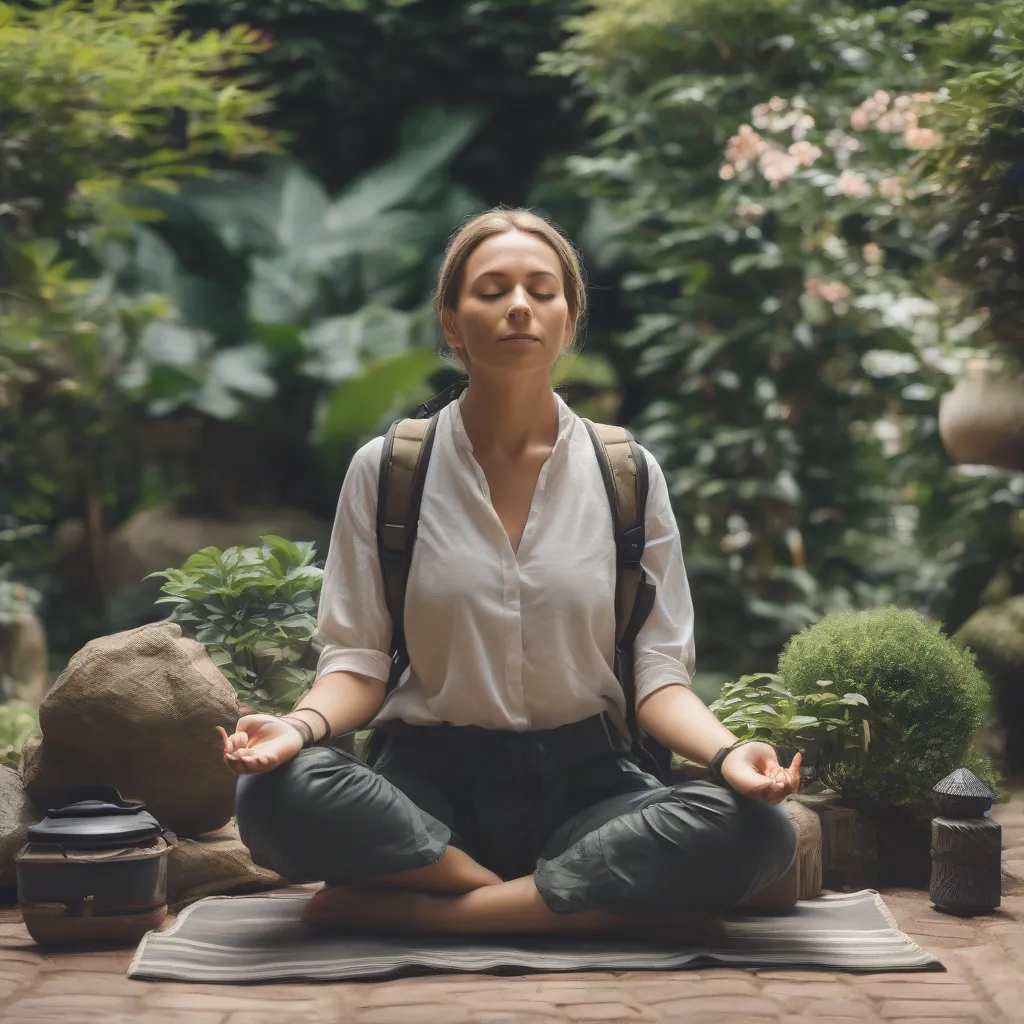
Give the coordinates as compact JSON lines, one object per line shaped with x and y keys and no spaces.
{"x":94,"y":869}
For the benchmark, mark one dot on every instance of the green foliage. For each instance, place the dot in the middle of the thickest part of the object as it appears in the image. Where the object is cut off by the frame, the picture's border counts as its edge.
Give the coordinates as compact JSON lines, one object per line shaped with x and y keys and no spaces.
{"x":101,"y":95}
{"x":256,"y":299}
{"x":981,"y":53}
{"x":363,"y":67}
{"x":928,"y":694}
{"x":302,"y":314}
{"x":18,"y":722}
{"x":254,"y":609}
{"x":791,"y":328}
{"x":99,"y":100}
{"x":824,"y":725}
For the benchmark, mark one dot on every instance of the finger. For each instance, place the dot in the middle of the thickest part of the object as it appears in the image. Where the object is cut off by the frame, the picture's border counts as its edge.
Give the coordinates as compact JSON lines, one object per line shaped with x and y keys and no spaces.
{"x":225,"y":739}
{"x":794,"y":771}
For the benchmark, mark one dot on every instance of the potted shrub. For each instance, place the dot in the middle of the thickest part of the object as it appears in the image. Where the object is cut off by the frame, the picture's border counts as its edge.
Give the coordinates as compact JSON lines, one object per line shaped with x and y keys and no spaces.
{"x":825,"y":726}
{"x":928,"y":700}
{"x":254,"y":609}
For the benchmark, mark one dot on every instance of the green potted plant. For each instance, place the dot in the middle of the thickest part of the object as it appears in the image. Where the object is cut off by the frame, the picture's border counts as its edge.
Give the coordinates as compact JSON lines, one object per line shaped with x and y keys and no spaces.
{"x":823,"y":725}
{"x":254,"y":609}
{"x":928,"y":701}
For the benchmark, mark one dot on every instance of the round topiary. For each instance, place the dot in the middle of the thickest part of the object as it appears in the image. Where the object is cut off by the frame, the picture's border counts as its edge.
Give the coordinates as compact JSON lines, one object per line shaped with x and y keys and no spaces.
{"x":928,"y":694}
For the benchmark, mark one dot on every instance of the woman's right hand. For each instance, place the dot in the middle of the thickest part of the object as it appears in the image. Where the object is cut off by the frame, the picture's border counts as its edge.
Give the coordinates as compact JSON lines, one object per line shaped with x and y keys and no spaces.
{"x":260,"y":743}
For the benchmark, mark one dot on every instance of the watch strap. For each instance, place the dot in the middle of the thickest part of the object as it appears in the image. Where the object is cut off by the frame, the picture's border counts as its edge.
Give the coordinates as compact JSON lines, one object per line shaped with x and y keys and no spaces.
{"x":714,"y":772}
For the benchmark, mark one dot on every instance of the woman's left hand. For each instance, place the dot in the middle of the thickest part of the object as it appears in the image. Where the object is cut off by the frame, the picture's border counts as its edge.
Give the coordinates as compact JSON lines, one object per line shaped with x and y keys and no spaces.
{"x":753,"y":770}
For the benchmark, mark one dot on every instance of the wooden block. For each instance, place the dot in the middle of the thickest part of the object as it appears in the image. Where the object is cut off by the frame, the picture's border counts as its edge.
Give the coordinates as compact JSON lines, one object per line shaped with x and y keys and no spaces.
{"x":803,"y":880}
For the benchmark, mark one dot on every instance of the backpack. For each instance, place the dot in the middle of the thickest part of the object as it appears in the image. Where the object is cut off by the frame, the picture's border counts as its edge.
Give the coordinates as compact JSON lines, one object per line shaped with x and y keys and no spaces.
{"x":403,"y":468}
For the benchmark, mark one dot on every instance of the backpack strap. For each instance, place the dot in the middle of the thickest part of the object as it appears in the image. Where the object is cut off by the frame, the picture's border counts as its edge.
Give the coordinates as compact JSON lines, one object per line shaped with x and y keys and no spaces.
{"x":624,"y":469}
{"x":403,"y":468}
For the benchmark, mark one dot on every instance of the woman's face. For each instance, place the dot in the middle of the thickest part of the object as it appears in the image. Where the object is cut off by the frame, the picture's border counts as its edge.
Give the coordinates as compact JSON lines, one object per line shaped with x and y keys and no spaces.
{"x":512,"y":309}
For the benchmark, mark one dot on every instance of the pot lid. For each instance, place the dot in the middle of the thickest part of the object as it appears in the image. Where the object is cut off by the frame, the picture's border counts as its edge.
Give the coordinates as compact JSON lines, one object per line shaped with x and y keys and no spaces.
{"x":95,"y":816}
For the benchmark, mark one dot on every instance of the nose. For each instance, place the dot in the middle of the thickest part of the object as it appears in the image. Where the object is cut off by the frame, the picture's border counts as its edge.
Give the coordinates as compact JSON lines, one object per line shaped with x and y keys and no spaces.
{"x":520,"y":309}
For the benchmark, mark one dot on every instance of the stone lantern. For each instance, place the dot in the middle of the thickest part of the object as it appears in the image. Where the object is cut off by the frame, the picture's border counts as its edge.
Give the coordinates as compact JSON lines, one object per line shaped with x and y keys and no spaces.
{"x":966,"y":847}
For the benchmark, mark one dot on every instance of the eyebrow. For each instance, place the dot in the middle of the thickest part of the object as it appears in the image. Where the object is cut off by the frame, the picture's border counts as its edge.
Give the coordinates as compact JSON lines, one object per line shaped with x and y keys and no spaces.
{"x":502,"y":273}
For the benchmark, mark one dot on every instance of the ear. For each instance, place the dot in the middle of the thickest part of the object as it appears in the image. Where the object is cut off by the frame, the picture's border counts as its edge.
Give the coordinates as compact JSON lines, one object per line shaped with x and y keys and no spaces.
{"x":570,"y":337}
{"x":449,"y":327}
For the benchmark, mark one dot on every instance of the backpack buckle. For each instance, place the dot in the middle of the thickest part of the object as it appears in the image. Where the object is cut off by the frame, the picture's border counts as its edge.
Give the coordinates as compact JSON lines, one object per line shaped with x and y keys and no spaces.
{"x":630,"y":545}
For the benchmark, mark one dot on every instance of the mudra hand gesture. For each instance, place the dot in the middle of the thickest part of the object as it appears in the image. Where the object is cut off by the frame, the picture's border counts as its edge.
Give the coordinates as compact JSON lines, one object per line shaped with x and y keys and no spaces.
{"x":753,"y":770}
{"x":259,"y":744}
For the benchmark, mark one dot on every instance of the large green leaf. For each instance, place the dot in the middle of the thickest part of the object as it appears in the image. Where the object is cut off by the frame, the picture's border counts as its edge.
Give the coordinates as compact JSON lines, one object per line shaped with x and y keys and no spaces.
{"x":436,"y":137}
{"x":304,"y":205}
{"x":358,"y":405}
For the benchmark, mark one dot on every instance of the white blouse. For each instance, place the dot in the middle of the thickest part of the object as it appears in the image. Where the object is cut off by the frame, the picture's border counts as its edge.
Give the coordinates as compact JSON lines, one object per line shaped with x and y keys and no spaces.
{"x":496,"y":639}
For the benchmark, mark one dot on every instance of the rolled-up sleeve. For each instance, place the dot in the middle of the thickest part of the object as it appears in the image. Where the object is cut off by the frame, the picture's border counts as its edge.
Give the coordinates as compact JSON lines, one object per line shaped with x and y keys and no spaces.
{"x":353,"y":623}
{"x":664,"y":648}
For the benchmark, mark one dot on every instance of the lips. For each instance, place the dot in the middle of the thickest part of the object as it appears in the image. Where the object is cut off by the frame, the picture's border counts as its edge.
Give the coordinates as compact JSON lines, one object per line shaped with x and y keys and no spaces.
{"x":520,"y":337}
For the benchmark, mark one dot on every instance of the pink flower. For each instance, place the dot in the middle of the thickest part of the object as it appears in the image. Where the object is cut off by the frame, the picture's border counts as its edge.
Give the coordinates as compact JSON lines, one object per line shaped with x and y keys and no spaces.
{"x":872,"y":253}
{"x":834,"y":291}
{"x":891,"y":188}
{"x":896,"y":121}
{"x":921,"y":138}
{"x":859,"y":120}
{"x":854,"y":185}
{"x":777,"y":166}
{"x":744,"y":147}
{"x":804,"y":153}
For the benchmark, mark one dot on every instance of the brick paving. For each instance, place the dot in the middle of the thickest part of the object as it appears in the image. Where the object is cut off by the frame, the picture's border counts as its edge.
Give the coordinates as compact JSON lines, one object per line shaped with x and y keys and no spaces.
{"x":984,"y":982}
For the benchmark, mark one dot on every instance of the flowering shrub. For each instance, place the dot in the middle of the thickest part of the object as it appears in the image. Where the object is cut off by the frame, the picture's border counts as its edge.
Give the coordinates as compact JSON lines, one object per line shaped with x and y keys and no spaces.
{"x":767,"y":175}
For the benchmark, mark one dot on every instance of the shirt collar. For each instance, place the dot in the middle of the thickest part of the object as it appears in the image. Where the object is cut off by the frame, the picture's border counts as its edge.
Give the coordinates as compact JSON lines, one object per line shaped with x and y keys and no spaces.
{"x":566,"y":422}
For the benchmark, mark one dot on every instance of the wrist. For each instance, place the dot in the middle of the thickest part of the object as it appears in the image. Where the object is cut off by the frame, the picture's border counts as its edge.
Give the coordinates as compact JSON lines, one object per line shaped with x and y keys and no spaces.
{"x":316,"y":722}
{"x":716,"y":763}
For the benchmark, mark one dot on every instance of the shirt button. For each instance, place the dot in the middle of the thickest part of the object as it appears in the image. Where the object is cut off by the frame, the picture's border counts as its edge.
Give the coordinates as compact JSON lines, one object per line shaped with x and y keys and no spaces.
{"x":514,"y":604}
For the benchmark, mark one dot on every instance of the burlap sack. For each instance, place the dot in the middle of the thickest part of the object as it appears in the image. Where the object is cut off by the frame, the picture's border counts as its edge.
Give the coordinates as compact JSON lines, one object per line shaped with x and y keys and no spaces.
{"x":17,"y":812}
{"x":138,"y":710}
{"x":214,"y":864}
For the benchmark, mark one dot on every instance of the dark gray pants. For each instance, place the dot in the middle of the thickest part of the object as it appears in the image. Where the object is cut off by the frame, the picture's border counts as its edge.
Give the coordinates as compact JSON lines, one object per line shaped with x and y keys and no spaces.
{"x":567,"y":805}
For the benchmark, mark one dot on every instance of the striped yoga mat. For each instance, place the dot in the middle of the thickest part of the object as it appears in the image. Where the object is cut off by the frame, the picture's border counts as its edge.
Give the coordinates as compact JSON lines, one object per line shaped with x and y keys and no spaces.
{"x":260,"y":938}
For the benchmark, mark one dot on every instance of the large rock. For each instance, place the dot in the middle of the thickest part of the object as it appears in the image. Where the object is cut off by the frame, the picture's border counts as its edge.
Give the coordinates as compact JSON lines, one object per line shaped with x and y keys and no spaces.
{"x":158,"y":539}
{"x":23,"y":658}
{"x":17,"y":812}
{"x":995,"y":633}
{"x":214,"y":864}
{"x":138,"y":710}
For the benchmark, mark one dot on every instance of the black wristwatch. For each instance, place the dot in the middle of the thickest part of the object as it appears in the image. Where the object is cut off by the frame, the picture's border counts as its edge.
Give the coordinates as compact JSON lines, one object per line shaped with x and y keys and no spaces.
{"x":715,"y":764}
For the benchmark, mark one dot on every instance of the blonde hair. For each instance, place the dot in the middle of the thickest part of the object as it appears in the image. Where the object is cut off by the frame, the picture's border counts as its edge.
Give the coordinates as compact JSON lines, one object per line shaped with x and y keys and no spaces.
{"x":497,"y":222}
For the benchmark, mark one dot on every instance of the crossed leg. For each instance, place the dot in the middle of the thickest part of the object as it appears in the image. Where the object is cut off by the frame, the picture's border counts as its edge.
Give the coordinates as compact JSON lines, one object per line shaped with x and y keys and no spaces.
{"x":644,"y":863}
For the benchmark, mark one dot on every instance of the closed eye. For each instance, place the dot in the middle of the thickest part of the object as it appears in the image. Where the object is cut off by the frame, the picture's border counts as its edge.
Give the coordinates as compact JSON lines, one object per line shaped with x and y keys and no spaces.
{"x":543,"y":296}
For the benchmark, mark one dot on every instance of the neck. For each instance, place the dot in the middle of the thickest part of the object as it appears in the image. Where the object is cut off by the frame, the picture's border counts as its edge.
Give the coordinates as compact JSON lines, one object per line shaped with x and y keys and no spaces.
{"x":507,"y":417}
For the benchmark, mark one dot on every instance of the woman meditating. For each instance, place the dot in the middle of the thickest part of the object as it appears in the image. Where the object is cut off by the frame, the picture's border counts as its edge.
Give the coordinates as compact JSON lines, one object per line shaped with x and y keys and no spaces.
{"x":505,"y":797}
